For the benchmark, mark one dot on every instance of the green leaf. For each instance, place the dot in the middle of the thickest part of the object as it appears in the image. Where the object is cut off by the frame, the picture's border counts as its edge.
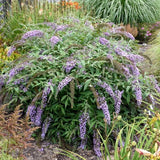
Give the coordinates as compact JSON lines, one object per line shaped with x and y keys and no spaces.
{"x":87,"y":84}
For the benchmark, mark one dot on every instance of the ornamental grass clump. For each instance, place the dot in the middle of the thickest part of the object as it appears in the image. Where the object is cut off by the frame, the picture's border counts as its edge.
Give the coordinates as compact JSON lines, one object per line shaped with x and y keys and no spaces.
{"x":75,"y":88}
{"x":131,"y":12}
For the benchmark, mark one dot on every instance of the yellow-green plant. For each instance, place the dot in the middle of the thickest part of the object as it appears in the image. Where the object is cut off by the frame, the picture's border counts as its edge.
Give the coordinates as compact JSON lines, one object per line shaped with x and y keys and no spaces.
{"x":153,"y":52}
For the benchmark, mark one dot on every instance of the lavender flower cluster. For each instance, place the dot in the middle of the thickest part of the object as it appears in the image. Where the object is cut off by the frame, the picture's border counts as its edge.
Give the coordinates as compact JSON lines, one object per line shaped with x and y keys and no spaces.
{"x":132,"y":57}
{"x":118,"y":100}
{"x":50,"y":24}
{"x":70,"y":65}
{"x":11,"y":50}
{"x":54,"y":40}
{"x":37,"y":121}
{"x":35,"y":114}
{"x":64,"y":82}
{"x":116,"y":96}
{"x":126,"y":34}
{"x":135,"y":83}
{"x":46,"y":92}
{"x":21,"y":80}
{"x":103,"y":105}
{"x":96,"y":143}
{"x":82,"y":125}
{"x":16,"y":70}
{"x":61,"y":28}
{"x":104,"y":41}
{"x":45,"y":126}
{"x":31,"y":111}
{"x":34,"y":33}
{"x":105,"y":86}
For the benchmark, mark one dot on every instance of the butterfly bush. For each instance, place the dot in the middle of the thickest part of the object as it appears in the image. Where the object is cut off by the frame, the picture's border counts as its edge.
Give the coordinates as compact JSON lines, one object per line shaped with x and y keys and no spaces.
{"x":83,"y":81}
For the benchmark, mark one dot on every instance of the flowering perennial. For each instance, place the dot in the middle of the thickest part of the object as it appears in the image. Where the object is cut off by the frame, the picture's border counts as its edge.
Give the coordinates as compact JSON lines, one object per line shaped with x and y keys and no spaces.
{"x":34,"y":33}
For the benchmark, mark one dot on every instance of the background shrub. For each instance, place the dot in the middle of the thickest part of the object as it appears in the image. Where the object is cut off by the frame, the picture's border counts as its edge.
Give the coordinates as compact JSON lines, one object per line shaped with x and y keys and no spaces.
{"x":127,"y":12}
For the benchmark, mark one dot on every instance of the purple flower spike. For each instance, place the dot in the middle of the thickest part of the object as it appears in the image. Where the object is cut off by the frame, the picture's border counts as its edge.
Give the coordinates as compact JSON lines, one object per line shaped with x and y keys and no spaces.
{"x":105,"y":86}
{"x":138,"y":94}
{"x":61,"y":28}
{"x":63,"y":83}
{"x":107,"y":34}
{"x":129,"y":35}
{"x":82,"y":124}
{"x":54,"y":40}
{"x":120,"y":52}
{"x":118,"y":101}
{"x":10,"y":51}
{"x":104,"y":107}
{"x":103,"y":41}
{"x":38,"y":116}
{"x":126,"y":72}
{"x":16,"y":70}
{"x":70,"y":65}
{"x":45,"y":127}
{"x":32,"y":112}
{"x":135,"y":58}
{"x":109,"y":56}
{"x":96,"y":143}
{"x":46,"y":92}
{"x":135,"y":70}
{"x":34,"y":33}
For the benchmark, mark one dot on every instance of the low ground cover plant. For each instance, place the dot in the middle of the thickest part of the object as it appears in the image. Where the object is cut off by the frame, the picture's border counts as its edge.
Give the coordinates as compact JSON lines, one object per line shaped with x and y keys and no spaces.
{"x":75,"y":73}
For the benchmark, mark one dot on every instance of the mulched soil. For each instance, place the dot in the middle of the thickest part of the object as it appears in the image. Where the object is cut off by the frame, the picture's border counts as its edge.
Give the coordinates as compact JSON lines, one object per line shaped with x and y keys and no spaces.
{"x":47,"y":151}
